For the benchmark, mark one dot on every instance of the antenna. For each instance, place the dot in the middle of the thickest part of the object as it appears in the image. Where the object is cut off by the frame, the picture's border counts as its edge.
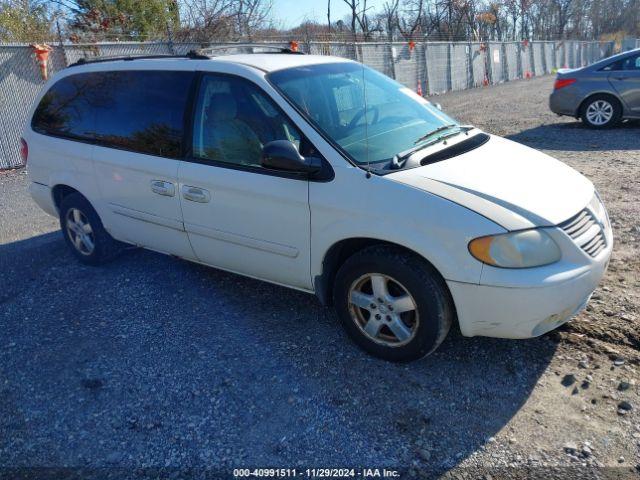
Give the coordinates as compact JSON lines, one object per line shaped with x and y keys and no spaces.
{"x":366,"y":125}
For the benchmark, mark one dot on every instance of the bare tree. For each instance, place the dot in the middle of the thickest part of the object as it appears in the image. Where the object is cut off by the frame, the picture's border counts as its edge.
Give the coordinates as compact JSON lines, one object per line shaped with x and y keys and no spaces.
{"x":206,"y":20}
{"x":360,"y":20}
{"x":563,"y":8}
{"x":251,"y":15}
{"x":390,"y":17}
{"x":410,"y":18}
{"x":482,"y":20}
{"x":353,"y":5}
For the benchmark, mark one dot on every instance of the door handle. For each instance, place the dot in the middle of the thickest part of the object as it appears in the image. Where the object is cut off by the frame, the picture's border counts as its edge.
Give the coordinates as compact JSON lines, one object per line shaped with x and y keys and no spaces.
{"x":161,"y":187}
{"x":620,"y":78}
{"x":195,"y":194}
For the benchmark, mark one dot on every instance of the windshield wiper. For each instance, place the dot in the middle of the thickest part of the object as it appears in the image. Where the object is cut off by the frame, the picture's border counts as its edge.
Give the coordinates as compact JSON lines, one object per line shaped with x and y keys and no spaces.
{"x":434,"y":132}
{"x":399,"y":159}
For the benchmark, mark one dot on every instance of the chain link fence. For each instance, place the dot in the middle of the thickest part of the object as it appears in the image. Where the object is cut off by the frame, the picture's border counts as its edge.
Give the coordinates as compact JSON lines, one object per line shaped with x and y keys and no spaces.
{"x":428,"y":68}
{"x":629,"y":44}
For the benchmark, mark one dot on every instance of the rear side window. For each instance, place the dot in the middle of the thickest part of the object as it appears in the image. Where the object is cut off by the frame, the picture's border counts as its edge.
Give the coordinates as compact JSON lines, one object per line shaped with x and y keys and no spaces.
{"x":141,"y":111}
{"x":629,"y":63}
{"x":632,"y":63}
{"x":66,"y":110}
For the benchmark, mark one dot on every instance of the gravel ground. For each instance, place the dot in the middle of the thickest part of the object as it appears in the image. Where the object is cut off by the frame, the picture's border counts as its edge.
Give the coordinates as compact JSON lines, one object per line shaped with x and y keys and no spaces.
{"x":154,"y":363}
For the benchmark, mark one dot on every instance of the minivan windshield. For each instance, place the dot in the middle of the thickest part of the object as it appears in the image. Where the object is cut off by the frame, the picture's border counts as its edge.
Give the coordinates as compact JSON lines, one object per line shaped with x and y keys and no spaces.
{"x":368,"y":115}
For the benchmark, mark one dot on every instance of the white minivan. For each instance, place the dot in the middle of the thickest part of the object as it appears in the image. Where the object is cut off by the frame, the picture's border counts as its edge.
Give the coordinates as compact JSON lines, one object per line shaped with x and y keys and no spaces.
{"x":319,"y":174}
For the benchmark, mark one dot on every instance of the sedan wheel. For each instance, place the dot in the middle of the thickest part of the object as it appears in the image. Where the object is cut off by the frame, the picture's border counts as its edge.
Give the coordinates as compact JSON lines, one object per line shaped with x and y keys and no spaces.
{"x":599,"y":112}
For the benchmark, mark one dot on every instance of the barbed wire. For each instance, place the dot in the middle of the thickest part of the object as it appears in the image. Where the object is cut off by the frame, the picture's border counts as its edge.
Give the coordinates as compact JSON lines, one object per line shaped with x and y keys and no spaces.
{"x":344,"y":37}
{"x":428,"y":68}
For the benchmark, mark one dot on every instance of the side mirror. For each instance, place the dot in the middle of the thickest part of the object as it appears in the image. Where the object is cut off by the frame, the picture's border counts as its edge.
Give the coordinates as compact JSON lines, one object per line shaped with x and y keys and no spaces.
{"x":283,"y":155}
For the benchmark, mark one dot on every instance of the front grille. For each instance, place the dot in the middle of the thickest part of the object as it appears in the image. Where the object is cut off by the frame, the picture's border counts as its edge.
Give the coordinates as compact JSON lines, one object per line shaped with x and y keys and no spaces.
{"x":586,"y":231}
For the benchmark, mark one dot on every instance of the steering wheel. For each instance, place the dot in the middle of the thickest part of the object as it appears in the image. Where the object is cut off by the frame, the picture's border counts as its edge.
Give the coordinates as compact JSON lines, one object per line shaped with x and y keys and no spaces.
{"x":358,"y":116}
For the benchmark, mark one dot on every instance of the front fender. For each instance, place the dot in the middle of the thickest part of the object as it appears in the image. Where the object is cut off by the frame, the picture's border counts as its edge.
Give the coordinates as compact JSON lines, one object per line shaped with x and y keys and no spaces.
{"x":439,"y":230}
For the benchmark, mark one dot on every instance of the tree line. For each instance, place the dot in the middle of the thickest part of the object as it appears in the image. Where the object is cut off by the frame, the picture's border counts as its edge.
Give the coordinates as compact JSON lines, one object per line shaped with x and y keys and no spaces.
{"x":254,"y":20}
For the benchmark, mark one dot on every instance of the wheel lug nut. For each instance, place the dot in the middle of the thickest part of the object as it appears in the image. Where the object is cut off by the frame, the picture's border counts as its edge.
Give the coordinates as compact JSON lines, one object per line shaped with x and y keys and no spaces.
{"x":388,"y":318}
{"x":390,"y":307}
{"x":373,"y":305}
{"x":380,"y":300}
{"x":377,"y":316}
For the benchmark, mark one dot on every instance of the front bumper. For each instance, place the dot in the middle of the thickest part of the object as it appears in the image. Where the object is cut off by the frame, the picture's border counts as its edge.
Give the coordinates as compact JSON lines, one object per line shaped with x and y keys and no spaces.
{"x":518,"y":312}
{"x":527,"y":303}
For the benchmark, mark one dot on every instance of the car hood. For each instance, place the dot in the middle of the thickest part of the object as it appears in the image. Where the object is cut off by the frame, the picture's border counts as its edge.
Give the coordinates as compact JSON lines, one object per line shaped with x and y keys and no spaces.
{"x":513,"y":185}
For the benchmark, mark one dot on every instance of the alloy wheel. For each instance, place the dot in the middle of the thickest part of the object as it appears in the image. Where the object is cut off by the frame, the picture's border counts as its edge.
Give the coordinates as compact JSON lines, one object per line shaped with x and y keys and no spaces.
{"x":599,"y":112}
{"x":80,"y":232}
{"x":383,"y":309}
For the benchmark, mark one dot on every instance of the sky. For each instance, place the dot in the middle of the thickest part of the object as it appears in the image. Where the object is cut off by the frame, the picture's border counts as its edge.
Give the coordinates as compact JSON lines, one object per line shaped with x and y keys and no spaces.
{"x":291,"y":12}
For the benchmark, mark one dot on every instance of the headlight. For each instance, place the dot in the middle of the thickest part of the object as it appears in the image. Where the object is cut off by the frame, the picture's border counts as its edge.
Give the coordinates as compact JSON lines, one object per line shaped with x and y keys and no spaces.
{"x":527,"y":248}
{"x":597,"y":206}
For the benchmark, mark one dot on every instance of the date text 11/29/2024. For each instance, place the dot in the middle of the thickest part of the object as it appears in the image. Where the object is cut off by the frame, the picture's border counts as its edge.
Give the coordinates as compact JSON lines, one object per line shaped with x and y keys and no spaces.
{"x":316,"y":473}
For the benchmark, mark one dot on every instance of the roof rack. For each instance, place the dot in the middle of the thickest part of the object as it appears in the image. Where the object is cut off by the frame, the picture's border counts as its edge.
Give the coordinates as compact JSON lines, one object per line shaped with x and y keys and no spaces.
{"x":248,"y":48}
{"x":192,"y":54}
{"x":202,"y":54}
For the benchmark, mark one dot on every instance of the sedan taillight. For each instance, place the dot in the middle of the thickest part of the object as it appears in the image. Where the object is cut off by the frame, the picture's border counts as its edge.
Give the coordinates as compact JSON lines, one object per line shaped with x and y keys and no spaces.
{"x":24,"y":150}
{"x":563,"y":82}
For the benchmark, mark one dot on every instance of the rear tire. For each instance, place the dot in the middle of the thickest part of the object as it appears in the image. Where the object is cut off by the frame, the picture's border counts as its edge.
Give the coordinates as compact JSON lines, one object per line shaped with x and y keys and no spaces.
{"x":392,"y":303}
{"x":84,"y":233}
{"x":601,"y":111}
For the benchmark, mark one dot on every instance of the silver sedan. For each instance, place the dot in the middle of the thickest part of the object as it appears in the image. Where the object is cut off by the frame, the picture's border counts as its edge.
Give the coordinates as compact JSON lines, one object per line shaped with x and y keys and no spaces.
{"x":601,"y":94}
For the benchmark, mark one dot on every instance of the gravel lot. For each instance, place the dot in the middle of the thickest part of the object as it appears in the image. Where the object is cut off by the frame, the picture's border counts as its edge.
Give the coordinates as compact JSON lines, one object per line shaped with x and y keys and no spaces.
{"x":153,"y":362}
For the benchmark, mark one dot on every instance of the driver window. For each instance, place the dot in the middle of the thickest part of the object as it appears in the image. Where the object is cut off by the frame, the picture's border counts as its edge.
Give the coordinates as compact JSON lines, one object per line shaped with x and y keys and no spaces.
{"x":234,"y":119}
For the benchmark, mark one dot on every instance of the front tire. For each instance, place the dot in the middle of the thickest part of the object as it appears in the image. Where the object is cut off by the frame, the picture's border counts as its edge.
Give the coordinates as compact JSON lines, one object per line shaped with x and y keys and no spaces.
{"x":392,"y":303}
{"x":84,"y":233}
{"x":601,"y":111}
